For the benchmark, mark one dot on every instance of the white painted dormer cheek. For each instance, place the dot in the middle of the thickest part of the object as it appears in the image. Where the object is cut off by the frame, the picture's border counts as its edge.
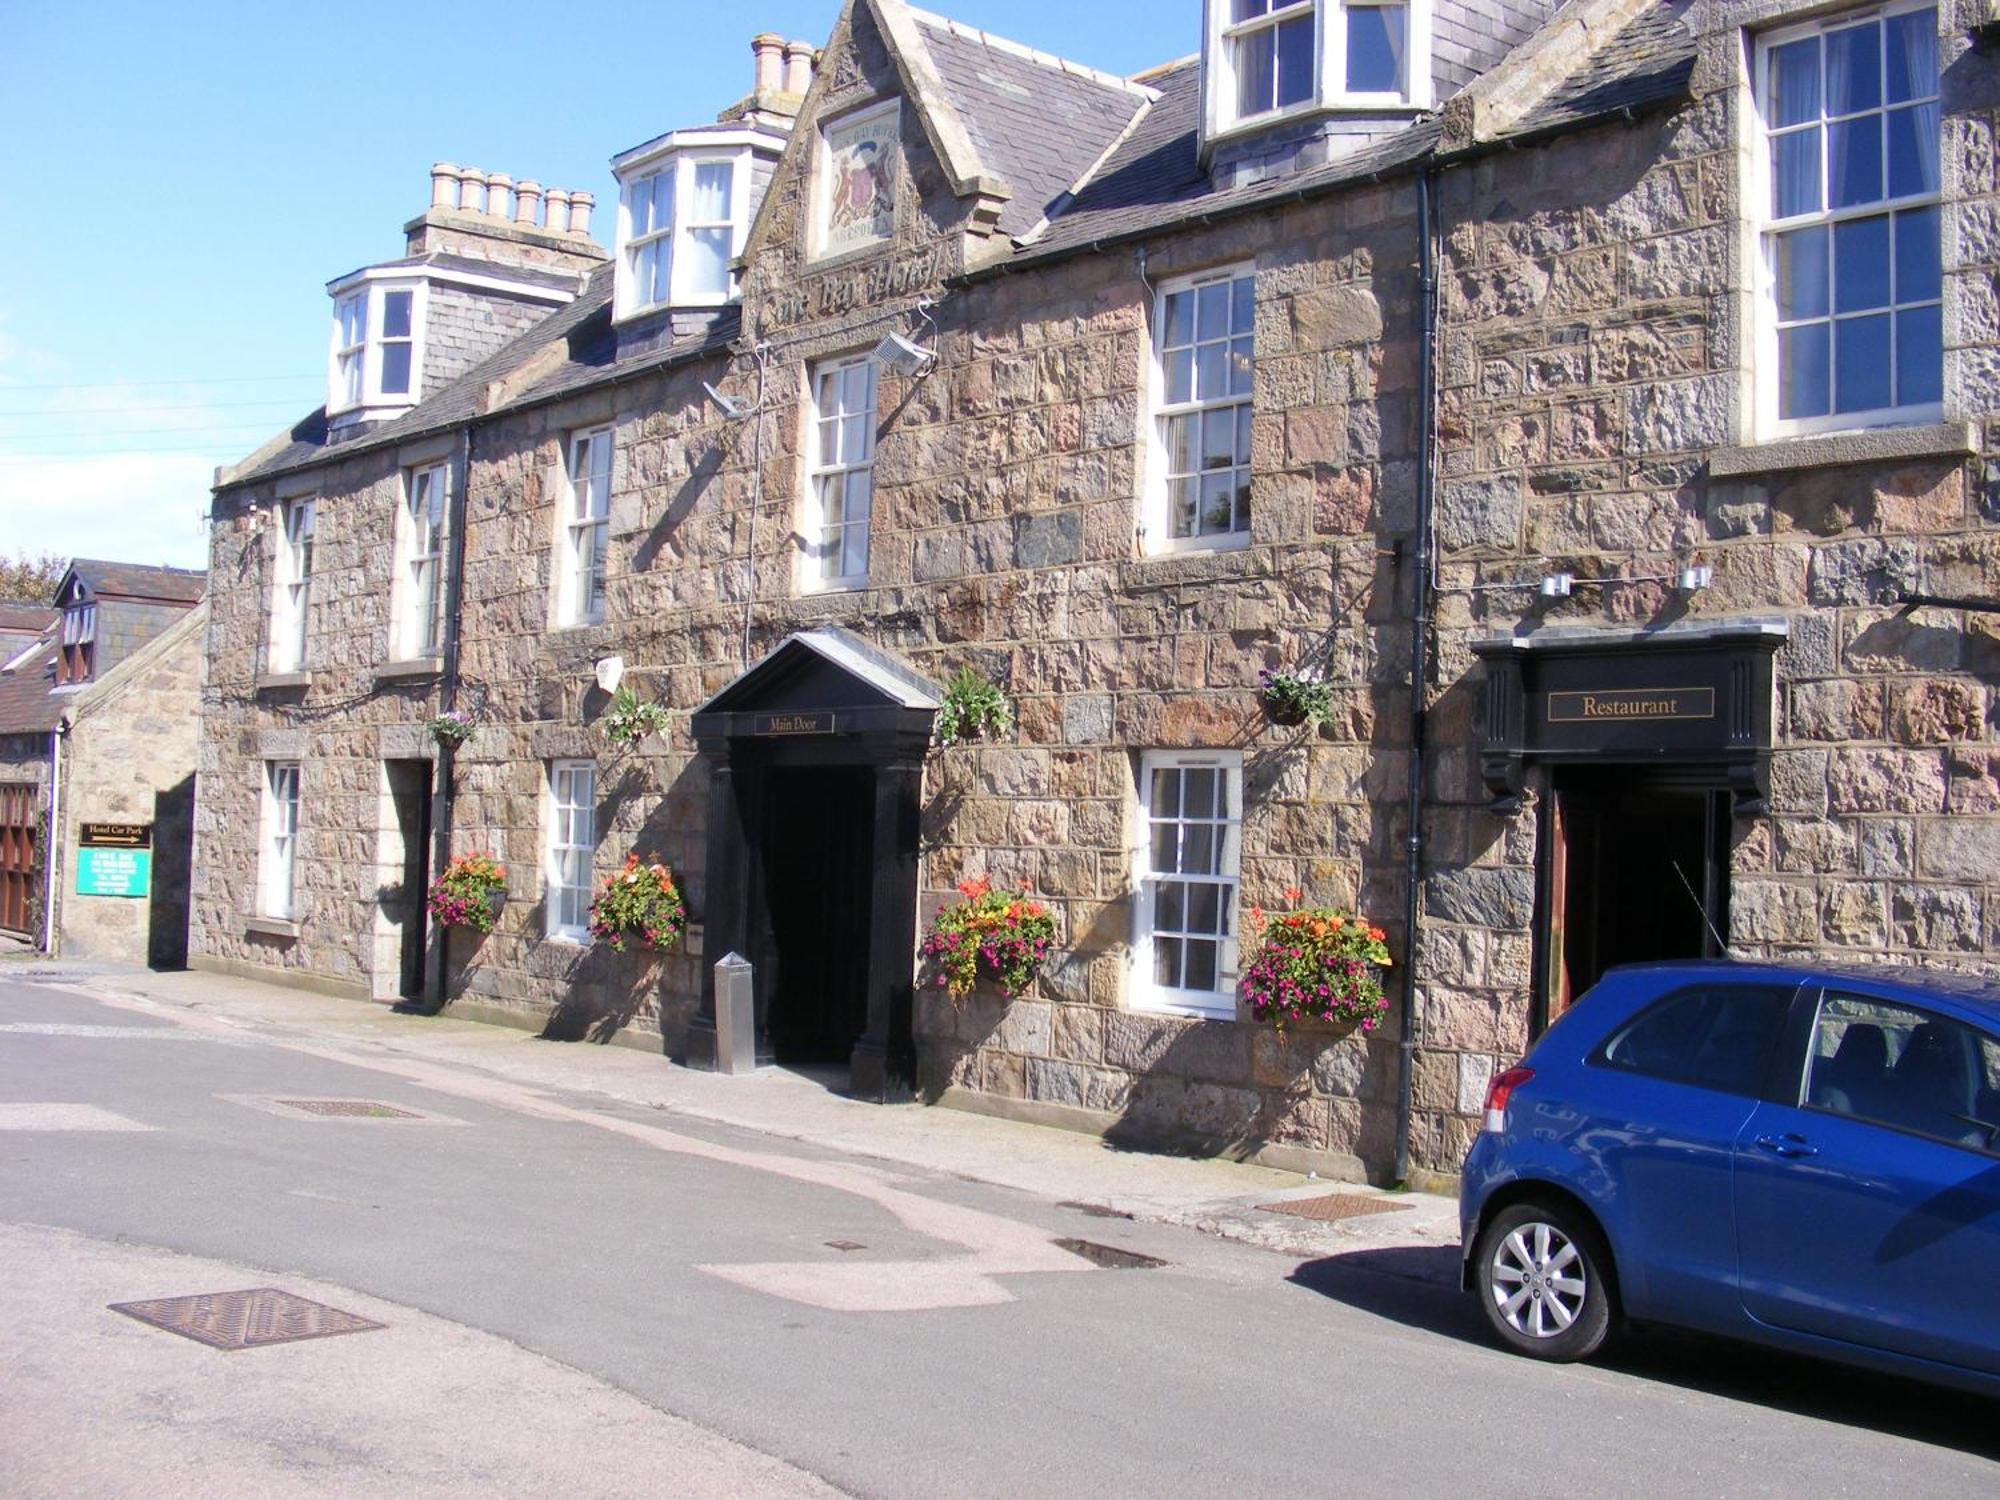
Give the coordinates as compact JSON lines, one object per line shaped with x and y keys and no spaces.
{"x":1267,"y":61}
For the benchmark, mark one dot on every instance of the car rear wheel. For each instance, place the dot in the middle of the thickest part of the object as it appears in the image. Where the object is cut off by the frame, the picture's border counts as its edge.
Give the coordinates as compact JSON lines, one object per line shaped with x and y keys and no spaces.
{"x":1544,"y":1283}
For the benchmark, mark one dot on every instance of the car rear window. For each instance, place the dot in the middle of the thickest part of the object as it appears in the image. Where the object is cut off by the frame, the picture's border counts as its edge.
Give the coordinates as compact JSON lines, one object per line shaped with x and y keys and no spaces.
{"x":1713,"y":1037}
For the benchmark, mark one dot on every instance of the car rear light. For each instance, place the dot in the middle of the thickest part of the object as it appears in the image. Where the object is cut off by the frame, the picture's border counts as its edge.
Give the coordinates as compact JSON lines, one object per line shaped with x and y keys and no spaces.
{"x":1499,"y":1092}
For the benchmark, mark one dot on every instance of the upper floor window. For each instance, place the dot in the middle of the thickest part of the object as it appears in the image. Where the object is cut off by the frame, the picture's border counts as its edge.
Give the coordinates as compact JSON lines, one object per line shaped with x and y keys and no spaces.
{"x":420,"y":539}
{"x":842,"y":480}
{"x":680,"y":227}
{"x":374,"y":347}
{"x":78,"y":660}
{"x":1272,"y":57}
{"x":291,"y":585}
{"x":1187,"y":869}
{"x":1853,"y":324}
{"x":585,"y":533}
{"x":1201,"y":492}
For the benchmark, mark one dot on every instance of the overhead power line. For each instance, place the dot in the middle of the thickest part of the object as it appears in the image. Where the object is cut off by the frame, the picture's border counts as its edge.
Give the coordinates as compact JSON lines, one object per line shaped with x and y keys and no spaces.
{"x":119,"y":385}
{"x":198,"y":430}
{"x":132,"y":411}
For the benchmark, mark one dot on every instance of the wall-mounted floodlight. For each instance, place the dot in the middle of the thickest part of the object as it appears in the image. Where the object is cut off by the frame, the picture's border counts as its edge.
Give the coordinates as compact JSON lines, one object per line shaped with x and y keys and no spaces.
{"x":610,"y":672}
{"x":1558,"y":585}
{"x":730,"y":409}
{"x":1695,"y":577}
{"x":901,"y":357}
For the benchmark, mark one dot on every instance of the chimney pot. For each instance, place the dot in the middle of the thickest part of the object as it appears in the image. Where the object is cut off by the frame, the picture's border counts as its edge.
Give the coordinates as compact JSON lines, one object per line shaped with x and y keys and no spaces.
{"x":527,"y":200}
{"x":798,"y":67}
{"x":498,"y":186}
{"x":444,"y":184}
{"x":580,"y":205}
{"x":558,"y":199}
{"x":471,"y":190}
{"x":769,"y":50}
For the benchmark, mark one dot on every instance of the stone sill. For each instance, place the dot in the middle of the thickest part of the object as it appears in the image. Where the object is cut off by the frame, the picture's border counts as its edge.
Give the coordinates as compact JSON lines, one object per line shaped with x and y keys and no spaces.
{"x":1836,"y":449}
{"x":421,"y":666}
{"x":274,"y":682}
{"x":282,"y":927}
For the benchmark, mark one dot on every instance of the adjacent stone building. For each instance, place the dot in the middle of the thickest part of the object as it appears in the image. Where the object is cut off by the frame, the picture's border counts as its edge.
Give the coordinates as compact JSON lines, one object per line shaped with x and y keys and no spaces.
{"x":1596,"y":400}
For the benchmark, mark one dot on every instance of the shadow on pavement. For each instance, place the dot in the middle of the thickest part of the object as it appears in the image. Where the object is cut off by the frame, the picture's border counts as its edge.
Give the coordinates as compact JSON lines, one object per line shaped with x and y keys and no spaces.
{"x":1418,"y":1287}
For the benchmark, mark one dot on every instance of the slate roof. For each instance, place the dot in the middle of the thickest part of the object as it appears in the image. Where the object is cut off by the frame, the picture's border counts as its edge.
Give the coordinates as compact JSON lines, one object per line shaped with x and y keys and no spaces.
{"x":26,"y":704}
{"x":24,"y":619}
{"x":1647,"y":64}
{"x":1035,"y":120}
{"x":118,"y":580}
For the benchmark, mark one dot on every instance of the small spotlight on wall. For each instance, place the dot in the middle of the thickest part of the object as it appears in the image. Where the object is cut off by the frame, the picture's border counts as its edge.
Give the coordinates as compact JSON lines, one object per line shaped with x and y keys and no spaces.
{"x":1558,"y":585}
{"x":610,"y":672}
{"x":901,"y":357}
{"x":731,"y":409}
{"x":1695,"y":577}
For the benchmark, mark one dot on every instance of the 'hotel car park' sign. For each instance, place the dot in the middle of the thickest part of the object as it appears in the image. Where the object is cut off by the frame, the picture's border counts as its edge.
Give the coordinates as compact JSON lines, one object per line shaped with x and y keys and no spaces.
{"x":115,"y":859}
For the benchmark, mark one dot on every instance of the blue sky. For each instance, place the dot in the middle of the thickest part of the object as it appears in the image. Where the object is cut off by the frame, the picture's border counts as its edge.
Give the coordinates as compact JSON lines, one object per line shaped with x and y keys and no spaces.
{"x":184,"y":180}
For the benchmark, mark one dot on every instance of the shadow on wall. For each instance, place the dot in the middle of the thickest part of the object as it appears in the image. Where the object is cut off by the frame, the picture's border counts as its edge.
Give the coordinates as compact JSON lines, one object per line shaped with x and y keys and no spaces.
{"x":173,"y":871}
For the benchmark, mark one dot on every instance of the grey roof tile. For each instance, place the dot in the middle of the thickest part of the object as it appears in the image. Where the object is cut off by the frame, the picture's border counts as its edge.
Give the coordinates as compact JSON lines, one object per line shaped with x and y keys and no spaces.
{"x":140,"y":581}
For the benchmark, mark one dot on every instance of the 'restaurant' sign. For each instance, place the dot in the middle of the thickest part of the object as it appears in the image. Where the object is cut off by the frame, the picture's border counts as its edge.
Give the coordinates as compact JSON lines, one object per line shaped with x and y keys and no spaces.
{"x":768,"y":725}
{"x":116,"y":836}
{"x":1631,"y":703}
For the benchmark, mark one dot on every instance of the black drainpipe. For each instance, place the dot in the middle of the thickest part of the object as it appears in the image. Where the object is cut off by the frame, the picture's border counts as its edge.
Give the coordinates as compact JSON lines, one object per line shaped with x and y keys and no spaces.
{"x":459,"y":505}
{"x":1420,"y":605}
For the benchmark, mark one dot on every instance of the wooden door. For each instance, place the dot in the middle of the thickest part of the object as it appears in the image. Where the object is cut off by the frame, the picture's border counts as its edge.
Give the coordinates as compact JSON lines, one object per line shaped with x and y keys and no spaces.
{"x":19,"y":819}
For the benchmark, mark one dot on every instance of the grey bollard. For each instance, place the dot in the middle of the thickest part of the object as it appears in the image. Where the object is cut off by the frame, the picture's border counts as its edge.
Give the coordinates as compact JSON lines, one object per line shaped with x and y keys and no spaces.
{"x":735,"y":1015}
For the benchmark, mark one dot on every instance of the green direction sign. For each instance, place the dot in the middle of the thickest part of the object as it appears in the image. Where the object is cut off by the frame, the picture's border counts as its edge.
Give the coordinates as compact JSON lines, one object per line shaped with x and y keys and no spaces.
{"x":114,"y":872}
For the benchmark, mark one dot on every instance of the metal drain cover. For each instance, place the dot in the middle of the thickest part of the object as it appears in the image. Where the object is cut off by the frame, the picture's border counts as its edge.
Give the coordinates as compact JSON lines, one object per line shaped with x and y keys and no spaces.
{"x":245,"y":1320}
{"x":1334,"y":1206}
{"x":1110,"y":1257}
{"x":348,"y":1109}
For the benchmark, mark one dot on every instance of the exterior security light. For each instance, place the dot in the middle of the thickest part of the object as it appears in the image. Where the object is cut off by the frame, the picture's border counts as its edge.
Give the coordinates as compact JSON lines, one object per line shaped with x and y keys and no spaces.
{"x":730,"y":409}
{"x":610,"y":672}
{"x":901,"y":357}
{"x":1558,"y":585}
{"x":1695,"y":577}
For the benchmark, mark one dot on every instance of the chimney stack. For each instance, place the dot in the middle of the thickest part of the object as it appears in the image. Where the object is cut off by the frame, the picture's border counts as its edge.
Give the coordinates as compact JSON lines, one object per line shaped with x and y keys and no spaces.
{"x":768,"y":48}
{"x":488,"y":215}
{"x":798,"y":67}
{"x":444,"y":184}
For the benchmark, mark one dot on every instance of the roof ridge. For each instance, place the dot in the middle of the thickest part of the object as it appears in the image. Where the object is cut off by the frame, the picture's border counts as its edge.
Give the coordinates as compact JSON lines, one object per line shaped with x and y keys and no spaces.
{"x":1034,"y":55}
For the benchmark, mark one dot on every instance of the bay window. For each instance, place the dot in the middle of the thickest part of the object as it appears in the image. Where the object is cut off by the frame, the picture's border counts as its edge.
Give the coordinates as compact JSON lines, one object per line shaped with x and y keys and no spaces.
{"x":374,"y":360}
{"x":1270,"y":58}
{"x":681,"y":224}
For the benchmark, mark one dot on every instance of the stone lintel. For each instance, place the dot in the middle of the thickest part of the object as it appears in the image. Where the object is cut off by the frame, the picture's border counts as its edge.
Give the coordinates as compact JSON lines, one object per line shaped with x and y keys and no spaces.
{"x":1838,"y":449}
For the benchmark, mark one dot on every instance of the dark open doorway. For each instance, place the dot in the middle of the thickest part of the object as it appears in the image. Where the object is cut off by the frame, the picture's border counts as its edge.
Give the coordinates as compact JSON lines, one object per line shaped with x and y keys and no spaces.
{"x":173,"y":867}
{"x":816,"y":858}
{"x":1634,"y":868}
{"x":410,"y":791}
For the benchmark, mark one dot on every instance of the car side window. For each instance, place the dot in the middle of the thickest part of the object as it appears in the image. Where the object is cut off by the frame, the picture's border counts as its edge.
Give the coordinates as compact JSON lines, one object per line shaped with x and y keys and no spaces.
{"x":1894,"y":1065}
{"x":1716,"y":1037}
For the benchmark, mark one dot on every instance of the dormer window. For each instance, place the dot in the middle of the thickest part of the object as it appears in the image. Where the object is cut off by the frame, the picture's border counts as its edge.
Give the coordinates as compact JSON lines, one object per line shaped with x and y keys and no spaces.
{"x":79,"y":644}
{"x":1270,"y":59}
{"x":681,"y":222}
{"x":374,"y":358}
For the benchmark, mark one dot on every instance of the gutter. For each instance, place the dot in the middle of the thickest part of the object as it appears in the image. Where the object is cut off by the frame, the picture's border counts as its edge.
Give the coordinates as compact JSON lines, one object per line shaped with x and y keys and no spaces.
{"x":1420,"y":605}
{"x":444,"y":798}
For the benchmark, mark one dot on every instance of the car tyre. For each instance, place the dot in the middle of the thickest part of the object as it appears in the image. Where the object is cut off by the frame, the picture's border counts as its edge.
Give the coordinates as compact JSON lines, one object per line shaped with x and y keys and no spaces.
{"x":1543,"y":1275}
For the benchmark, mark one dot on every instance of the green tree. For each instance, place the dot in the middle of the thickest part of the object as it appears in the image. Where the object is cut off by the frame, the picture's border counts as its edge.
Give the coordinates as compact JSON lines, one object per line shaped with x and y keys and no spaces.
{"x":31,"y":580}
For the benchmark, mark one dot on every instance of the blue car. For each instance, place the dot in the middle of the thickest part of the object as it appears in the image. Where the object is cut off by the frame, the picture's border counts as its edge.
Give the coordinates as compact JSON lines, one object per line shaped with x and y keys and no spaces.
{"x":1804,"y":1157}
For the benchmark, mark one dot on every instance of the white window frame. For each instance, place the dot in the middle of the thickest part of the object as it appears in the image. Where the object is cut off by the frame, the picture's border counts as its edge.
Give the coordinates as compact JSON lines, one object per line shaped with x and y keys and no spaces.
{"x":1765,"y":228}
{"x":820,"y":474}
{"x":679,"y":170}
{"x":423,"y":526}
{"x":354,"y":369}
{"x":1156,"y":518}
{"x":568,"y":864}
{"x":1329,"y":90}
{"x":278,"y":840}
{"x":297,"y":528}
{"x":1145,"y":992}
{"x":583,"y":527}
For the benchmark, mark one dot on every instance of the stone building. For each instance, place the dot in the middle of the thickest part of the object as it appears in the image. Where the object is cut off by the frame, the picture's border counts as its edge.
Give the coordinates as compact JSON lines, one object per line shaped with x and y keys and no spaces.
{"x":98,"y":721}
{"x":1594,"y":399}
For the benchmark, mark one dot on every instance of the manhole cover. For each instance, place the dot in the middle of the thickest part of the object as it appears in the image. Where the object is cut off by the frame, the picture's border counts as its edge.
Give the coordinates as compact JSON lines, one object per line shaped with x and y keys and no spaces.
{"x":245,"y":1320}
{"x":1109,"y":1256}
{"x":348,"y":1109}
{"x":1333,"y":1206}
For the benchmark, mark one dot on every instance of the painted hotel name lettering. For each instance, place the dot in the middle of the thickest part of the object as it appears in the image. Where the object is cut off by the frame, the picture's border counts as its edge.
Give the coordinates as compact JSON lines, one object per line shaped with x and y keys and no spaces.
{"x":1625,"y":704}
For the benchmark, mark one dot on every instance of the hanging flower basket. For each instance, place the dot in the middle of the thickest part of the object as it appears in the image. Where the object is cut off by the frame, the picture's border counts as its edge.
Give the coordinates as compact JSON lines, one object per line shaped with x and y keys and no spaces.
{"x":1005,"y":937}
{"x":1294,"y":698}
{"x":470,"y":893}
{"x":631,"y":718}
{"x":639,"y":907}
{"x":1315,"y":964}
{"x":973,"y":708}
{"x":452,"y":728}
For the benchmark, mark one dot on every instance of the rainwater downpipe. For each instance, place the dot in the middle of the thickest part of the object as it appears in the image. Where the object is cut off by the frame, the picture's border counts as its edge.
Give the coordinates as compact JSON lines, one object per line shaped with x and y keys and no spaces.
{"x":763,"y":353}
{"x":51,"y":941}
{"x":1420,"y":605}
{"x":460,"y":503}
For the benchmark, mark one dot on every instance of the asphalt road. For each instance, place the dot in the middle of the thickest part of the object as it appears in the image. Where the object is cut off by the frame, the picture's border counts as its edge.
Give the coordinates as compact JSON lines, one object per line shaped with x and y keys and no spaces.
{"x":889,"y":1331}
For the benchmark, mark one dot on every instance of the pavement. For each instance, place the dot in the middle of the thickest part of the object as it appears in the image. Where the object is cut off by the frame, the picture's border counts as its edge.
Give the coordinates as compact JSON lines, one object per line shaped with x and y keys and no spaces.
{"x":1222,"y":1198}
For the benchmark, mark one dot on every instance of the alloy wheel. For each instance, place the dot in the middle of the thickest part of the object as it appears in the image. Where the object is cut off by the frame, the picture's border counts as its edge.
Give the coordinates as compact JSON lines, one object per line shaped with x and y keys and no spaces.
{"x":1539,"y":1280}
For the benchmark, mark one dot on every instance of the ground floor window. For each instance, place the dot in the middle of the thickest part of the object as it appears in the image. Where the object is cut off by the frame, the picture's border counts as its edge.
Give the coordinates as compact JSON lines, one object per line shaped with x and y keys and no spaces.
{"x":277,"y":863}
{"x":1186,"y":873}
{"x":572,"y":844}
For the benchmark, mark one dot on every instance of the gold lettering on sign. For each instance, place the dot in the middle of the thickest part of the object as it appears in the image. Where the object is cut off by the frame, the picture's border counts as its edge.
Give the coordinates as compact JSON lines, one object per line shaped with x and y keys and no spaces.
{"x":794,"y":724}
{"x":1624,"y":705}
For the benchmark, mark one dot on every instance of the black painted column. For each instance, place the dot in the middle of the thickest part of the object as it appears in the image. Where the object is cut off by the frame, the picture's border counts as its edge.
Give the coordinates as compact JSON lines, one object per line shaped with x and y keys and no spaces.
{"x":726,"y":907}
{"x":884,"y":1048}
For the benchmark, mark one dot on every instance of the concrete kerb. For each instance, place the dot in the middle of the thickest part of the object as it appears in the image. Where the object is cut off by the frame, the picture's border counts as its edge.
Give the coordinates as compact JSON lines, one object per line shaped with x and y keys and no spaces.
{"x":1209,"y":1195}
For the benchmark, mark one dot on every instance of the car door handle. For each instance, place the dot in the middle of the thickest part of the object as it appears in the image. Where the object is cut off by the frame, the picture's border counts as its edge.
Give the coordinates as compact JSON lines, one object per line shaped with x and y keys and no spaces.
{"x":1789,"y":1146}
